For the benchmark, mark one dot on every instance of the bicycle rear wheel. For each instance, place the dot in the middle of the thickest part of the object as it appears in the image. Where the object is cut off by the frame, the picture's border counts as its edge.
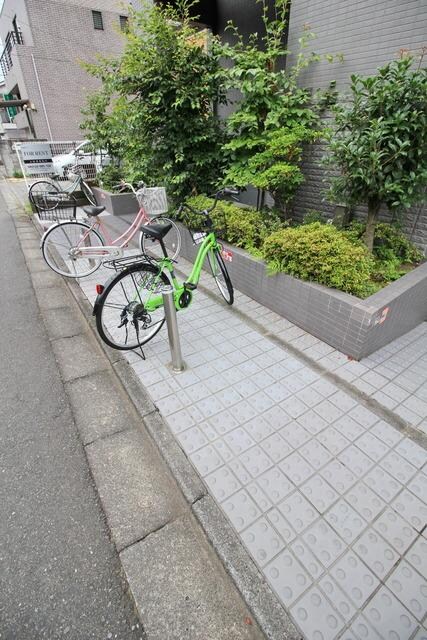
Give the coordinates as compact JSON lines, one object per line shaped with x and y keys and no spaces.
{"x":220,"y":274}
{"x":90,"y":196}
{"x":121,"y":317}
{"x":59,"y":246}
{"x":172,"y":240}
{"x":44,"y":195}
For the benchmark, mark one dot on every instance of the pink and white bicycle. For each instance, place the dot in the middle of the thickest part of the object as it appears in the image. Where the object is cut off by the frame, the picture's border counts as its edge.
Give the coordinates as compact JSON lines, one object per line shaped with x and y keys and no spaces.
{"x":77,"y":248}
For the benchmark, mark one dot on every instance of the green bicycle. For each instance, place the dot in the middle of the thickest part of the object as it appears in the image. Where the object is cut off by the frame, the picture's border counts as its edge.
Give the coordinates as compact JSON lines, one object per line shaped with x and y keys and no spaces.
{"x":129,"y":307}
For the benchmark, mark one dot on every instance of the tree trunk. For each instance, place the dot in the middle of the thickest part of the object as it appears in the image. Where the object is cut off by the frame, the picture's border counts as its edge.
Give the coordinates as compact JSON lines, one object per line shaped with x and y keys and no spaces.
{"x":371,"y":220}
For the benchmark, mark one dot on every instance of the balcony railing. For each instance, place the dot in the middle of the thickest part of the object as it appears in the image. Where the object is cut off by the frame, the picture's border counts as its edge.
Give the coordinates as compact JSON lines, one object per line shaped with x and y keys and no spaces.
{"x":12,"y":38}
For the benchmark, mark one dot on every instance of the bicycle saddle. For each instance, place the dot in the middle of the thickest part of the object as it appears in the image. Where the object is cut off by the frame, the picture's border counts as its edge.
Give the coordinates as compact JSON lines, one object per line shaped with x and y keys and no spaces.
{"x":157,"y":231}
{"x":93,"y":211}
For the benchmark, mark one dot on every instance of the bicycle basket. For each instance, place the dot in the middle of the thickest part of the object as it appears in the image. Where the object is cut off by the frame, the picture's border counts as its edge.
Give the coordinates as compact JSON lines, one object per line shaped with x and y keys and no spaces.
{"x":153,"y":199}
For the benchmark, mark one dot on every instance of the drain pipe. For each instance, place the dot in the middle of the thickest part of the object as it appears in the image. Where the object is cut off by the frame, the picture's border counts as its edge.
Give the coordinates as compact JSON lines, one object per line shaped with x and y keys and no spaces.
{"x":41,"y":97}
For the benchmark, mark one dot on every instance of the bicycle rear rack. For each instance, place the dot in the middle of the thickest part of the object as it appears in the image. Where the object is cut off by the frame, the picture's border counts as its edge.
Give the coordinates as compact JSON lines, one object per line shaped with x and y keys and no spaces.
{"x":127,"y":261}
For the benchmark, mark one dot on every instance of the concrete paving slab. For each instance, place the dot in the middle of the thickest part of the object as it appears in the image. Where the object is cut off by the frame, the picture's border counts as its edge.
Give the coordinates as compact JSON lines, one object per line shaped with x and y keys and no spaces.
{"x":136,"y":490}
{"x":52,"y":297}
{"x":78,"y":356}
{"x":98,"y":407}
{"x":62,"y":323}
{"x":201,"y":604}
{"x":45,"y":279}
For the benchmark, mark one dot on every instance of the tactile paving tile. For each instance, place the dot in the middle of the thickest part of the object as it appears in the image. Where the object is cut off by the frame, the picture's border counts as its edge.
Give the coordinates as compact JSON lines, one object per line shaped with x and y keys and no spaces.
{"x":326,"y":545}
{"x":319,"y":492}
{"x":395,"y":530}
{"x":276,"y":447}
{"x":287,"y":577}
{"x":294,"y":407}
{"x":260,"y":401}
{"x":398,"y":467}
{"x":208,"y":431}
{"x":243,"y":411}
{"x":228,"y":397}
{"x":376,"y":553}
{"x":415,"y":454}
{"x":411,"y":508}
{"x":281,"y":525}
{"x":386,"y":433}
{"x":223,"y":422}
{"x":241,"y":509}
{"x":298,"y":511}
{"x":334,"y":441}
{"x":307,"y":559}
{"x":349,"y":428}
{"x":275,"y":484}
{"x":372,"y":446}
{"x":345,"y":520}
{"x":262,"y":379}
{"x":278,"y":392}
{"x":421,"y":635}
{"x":324,"y":387}
{"x":223,"y":450}
{"x":309,"y":396}
{"x":192,"y":439}
{"x":418,"y":485}
{"x":180,"y":421}
{"x":262,"y":541}
{"x":238,"y":440}
{"x":262,"y":500}
{"x":315,"y":453}
{"x":239,"y":471}
{"x":338,"y":476}
{"x":312,"y":422}
{"x":277,"y":417}
{"x":363,"y":416}
{"x":417,"y":555}
{"x":258,"y":428}
{"x":355,"y":460}
{"x":246,"y":387}
{"x":410,"y":588}
{"x":295,"y":434}
{"x":328,"y":411}
{"x":197,"y":391}
{"x":256,"y":461}
{"x":206,"y":460}
{"x":314,"y":614}
{"x":222,"y":483}
{"x":388,"y":616}
{"x":354,"y":578}
{"x":383,"y":484}
{"x":348,"y":635}
{"x":363,"y":629}
{"x":337,"y":596}
{"x":296,"y":468}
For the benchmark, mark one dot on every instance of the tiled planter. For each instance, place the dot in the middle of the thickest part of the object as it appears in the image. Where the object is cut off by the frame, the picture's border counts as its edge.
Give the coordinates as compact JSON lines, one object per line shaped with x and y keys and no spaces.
{"x":354,"y":326}
{"x":118,"y":204}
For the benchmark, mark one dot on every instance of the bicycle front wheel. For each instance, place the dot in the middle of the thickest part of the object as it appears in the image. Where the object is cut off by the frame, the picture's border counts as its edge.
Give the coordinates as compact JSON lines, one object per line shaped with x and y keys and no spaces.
{"x":44,"y":195}
{"x":90,"y":196}
{"x":172,"y":240}
{"x":60,"y":249}
{"x":220,"y":274}
{"x":122,"y":319}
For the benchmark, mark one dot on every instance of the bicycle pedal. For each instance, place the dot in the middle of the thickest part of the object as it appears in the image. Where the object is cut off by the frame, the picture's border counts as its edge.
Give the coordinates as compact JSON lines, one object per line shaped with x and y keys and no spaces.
{"x":190,"y":286}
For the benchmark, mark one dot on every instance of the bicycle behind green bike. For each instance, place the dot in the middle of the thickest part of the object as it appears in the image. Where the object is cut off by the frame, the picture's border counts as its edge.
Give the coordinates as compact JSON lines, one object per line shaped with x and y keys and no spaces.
{"x":129,"y":307}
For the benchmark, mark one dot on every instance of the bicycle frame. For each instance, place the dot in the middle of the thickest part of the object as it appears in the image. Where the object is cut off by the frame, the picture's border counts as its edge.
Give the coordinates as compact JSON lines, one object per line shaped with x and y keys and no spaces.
{"x":210,"y":243}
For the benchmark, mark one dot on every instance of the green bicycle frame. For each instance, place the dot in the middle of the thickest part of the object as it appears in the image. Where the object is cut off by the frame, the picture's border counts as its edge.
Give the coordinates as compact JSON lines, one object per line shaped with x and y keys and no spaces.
{"x":210,"y":243}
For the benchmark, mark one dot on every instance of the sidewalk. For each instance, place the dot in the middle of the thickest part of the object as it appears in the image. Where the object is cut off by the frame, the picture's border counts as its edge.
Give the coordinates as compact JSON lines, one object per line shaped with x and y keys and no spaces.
{"x":326,"y":495}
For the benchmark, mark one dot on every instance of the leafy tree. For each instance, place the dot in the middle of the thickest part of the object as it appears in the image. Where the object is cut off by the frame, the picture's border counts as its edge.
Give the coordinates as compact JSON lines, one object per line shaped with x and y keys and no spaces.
{"x":273,"y":118}
{"x":380,"y":143}
{"x":162,"y":90}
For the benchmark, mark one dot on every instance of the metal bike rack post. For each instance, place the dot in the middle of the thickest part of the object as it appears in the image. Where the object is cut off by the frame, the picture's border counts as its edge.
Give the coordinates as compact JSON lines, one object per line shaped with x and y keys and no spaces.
{"x":173,"y":333}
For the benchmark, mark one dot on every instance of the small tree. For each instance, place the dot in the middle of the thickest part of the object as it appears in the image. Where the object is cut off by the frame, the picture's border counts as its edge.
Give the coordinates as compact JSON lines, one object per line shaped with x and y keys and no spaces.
{"x":162,"y":89}
{"x":274,"y":116}
{"x":380,"y":143}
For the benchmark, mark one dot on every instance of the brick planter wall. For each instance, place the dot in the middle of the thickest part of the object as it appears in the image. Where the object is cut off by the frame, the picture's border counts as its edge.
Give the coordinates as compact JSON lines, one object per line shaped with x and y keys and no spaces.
{"x":354,"y":326}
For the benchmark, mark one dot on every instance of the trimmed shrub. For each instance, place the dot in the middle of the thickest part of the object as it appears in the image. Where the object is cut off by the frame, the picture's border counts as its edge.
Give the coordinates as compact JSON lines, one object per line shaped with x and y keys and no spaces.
{"x":389,"y":242}
{"x":243,"y":227}
{"x":320,"y":253}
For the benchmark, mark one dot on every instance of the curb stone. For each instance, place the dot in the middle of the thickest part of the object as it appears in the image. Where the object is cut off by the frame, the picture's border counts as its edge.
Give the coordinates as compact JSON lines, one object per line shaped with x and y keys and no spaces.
{"x":251,"y":616}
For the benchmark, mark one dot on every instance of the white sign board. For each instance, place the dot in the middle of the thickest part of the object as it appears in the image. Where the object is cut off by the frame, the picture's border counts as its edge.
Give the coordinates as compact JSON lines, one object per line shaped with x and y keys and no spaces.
{"x":37,"y":157}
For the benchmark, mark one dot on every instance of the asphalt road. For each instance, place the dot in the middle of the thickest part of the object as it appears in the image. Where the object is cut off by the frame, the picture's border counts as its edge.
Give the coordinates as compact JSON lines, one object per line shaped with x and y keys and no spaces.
{"x":59,"y":573}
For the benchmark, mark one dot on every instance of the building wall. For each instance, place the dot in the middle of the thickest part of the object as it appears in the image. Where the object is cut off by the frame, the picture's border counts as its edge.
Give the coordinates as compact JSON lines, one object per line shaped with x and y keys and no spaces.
{"x":63,"y":36}
{"x":369,"y":33}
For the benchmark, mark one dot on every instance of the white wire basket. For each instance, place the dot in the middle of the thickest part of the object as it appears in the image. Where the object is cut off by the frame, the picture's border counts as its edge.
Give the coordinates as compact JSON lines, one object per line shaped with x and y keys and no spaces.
{"x":153,"y":199}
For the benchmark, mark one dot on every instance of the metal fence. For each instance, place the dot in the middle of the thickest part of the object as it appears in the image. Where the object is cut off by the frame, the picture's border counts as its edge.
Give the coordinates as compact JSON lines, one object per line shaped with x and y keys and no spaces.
{"x":41,"y":159}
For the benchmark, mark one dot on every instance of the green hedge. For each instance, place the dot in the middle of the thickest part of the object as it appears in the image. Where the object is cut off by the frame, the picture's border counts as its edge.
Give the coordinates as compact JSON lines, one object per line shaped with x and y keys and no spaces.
{"x":243,"y":227}
{"x":321,"y":253}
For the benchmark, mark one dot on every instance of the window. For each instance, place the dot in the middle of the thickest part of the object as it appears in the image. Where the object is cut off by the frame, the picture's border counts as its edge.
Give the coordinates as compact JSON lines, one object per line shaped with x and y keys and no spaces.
{"x":97,"y":20}
{"x":124,"y":23}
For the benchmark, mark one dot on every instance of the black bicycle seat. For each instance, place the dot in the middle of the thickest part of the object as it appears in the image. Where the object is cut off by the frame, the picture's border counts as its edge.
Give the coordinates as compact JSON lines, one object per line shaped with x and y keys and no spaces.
{"x":93,"y":211}
{"x":157,"y":231}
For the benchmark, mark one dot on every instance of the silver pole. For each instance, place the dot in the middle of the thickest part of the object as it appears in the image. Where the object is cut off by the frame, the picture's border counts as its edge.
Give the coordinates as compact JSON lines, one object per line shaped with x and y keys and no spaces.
{"x":173,"y":333}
